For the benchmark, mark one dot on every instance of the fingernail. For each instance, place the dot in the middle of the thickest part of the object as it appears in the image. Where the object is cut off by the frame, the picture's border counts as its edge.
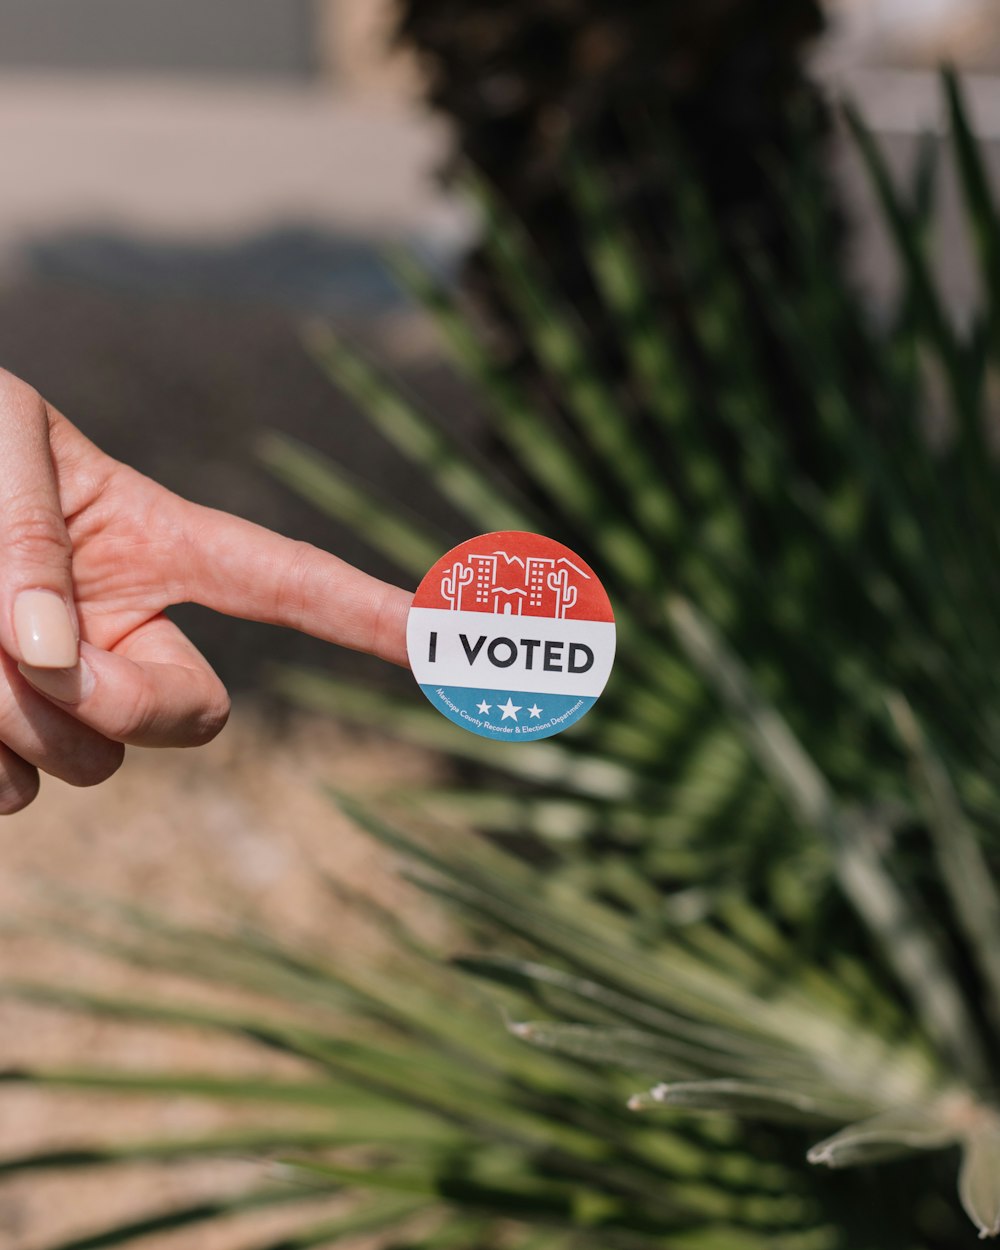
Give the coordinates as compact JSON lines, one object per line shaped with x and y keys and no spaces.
{"x":68,"y":685}
{"x":44,"y":630}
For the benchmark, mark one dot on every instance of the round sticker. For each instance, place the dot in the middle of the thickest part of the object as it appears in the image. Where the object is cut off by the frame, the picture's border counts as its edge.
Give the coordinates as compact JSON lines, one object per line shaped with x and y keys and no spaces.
{"x":511,"y":636}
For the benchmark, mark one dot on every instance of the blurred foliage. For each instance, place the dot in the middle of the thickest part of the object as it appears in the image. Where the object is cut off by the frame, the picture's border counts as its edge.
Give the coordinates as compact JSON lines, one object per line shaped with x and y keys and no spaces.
{"x":517,"y":82}
{"x":747,"y":908}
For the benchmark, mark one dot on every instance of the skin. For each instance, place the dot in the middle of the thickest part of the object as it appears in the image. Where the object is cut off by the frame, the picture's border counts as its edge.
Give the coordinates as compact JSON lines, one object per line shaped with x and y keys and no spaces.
{"x":118,"y":549}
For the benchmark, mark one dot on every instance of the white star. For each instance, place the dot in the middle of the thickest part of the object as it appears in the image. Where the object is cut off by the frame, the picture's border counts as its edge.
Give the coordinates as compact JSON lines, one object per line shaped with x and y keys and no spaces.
{"x":535,"y":711}
{"x":484,"y":707}
{"x":509,"y":709}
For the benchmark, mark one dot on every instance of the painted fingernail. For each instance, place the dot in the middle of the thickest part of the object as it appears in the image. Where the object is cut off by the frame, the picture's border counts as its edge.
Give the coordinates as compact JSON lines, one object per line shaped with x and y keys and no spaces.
{"x":44,"y":630}
{"x":68,"y":685}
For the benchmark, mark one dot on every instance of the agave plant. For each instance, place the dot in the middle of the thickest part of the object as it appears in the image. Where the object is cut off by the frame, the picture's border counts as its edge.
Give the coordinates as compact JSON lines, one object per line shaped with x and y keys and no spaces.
{"x":743,"y":920}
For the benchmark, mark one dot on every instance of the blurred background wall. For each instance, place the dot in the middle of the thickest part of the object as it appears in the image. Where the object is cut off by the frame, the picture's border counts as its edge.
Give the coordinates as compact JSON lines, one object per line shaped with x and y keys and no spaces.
{"x":342,"y":42}
{"x":228,"y":36}
{"x":912,"y":32}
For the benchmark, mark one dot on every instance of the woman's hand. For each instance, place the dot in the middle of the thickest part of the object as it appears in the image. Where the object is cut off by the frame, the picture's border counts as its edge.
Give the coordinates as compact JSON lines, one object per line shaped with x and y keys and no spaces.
{"x":91,"y":553}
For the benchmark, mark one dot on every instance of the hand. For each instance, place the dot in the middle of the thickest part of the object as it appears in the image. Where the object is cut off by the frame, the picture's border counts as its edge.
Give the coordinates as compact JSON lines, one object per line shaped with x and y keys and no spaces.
{"x":91,"y":553}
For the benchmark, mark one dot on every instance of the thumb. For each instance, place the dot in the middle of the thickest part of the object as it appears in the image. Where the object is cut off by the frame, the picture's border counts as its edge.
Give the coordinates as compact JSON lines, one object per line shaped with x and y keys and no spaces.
{"x":242,"y":569}
{"x":37,"y":618}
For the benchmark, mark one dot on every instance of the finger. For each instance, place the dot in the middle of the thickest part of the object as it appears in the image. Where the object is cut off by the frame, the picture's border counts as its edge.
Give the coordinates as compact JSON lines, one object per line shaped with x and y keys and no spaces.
{"x":244,"y":570}
{"x":48,"y":738}
{"x":154,"y":690}
{"x":18,"y":782}
{"x":37,"y":619}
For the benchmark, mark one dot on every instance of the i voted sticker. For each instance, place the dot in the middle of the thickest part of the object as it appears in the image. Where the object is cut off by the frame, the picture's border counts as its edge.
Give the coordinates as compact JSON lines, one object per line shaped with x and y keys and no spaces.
{"x":511,"y":636}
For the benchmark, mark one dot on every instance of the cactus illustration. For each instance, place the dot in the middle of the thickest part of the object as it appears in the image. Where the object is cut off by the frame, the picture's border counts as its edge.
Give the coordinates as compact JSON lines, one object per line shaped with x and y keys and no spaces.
{"x":454,"y":582}
{"x":566,"y":595}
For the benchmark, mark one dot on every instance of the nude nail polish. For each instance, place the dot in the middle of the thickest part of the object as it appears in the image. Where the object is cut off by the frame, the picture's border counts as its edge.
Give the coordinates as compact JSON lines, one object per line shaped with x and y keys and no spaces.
{"x":44,"y":630}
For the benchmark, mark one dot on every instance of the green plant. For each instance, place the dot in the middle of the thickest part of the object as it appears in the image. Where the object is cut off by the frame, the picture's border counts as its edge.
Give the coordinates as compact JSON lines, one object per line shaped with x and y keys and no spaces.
{"x":516,"y":82}
{"x":758,"y":880}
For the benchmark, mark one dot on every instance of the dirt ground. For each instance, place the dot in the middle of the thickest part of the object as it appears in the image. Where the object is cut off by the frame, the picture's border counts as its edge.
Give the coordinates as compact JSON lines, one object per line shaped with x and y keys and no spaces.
{"x":227,"y":833}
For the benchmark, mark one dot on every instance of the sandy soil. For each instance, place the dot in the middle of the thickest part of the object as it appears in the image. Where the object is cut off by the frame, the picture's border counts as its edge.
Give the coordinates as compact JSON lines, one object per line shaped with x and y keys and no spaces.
{"x":233,"y":831}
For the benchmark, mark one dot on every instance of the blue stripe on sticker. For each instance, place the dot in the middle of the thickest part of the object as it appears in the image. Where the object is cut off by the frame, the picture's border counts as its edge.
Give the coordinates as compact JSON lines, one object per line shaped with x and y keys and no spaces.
{"x":508,"y":715}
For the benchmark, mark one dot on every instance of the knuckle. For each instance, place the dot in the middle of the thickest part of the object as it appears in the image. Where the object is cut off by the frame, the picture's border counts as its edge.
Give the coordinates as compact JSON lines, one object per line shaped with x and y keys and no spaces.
{"x":292,"y":590}
{"x":135,"y":716}
{"x":35,"y":532}
{"x":388,"y":631}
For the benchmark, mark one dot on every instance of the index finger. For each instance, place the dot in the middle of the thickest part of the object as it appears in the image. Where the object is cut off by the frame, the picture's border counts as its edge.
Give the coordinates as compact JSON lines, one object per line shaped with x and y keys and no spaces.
{"x":242,"y":569}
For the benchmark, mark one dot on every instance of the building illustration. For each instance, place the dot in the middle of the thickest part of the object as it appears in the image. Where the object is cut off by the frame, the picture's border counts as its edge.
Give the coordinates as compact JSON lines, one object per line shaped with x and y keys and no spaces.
{"x":512,"y":586}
